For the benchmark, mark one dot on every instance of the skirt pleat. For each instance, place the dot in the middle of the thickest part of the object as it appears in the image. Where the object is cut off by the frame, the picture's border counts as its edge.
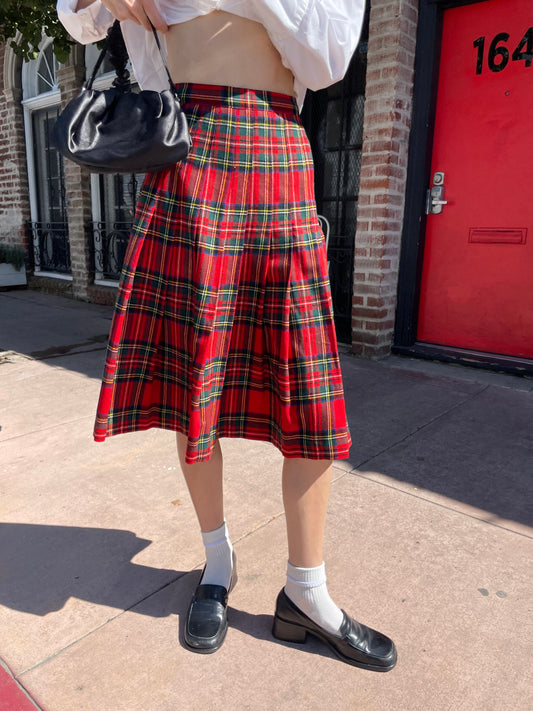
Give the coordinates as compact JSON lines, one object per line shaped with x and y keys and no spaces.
{"x":223,"y":325}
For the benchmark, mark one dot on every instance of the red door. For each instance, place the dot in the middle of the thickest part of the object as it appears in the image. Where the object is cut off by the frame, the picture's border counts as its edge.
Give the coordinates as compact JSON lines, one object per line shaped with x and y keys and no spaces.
{"x":477,"y":279}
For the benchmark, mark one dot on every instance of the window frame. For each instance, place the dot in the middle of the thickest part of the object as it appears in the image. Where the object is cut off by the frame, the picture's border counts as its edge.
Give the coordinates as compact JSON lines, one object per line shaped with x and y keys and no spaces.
{"x":31,"y":104}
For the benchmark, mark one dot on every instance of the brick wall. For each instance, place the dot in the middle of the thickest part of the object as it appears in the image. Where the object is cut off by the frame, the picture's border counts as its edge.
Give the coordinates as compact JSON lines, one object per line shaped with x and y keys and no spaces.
{"x":78,"y":188}
{"x":14,"y":203}
{"x":391,"y":54}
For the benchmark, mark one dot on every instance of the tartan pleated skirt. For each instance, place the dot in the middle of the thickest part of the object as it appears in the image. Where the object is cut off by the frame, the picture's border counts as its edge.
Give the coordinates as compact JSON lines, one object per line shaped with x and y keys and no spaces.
{"x":223,"y":325}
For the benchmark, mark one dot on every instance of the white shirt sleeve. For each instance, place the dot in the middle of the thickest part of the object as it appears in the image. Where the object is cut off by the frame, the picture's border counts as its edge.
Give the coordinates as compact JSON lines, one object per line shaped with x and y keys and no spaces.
{"x":88,"y":25}
{"x":322,"y":41}
{"x":315,"y":38}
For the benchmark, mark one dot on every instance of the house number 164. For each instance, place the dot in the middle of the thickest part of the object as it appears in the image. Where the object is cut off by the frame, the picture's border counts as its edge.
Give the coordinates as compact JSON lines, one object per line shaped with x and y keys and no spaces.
{"x":498,"y":54}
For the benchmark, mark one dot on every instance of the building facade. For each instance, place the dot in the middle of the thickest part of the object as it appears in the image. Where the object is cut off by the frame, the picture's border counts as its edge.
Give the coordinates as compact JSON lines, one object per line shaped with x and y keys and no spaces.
{"x":414,"y":267}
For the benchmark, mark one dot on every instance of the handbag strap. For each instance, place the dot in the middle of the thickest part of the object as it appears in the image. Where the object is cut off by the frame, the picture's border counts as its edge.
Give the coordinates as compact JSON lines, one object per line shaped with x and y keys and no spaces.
{"x":114,"y":43}
{"x":156,"y":37}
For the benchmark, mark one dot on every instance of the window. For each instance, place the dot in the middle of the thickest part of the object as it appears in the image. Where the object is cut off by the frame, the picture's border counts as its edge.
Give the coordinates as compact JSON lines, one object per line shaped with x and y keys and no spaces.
{"x":46,"y":71}
{"x":116,"y":197}
{"x":41,"y":101}
{"x":48,"y":168}
{"x":91,"y":56}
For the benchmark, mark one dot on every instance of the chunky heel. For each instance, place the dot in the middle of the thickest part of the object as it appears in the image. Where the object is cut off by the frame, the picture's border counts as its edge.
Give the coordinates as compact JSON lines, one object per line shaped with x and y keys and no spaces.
{"x":288,"y":632}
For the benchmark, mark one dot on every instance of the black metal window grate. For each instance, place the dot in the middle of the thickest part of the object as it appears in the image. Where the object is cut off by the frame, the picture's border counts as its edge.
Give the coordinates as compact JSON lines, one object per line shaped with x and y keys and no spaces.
{"x":333,"y":119}
{"x":118,"y":197}
{"x":110,"y":244}
{"x":51,"y":246}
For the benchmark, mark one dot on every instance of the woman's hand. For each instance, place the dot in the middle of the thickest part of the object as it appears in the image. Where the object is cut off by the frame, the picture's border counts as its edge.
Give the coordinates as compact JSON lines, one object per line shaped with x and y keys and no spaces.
{"x":140,"y":11}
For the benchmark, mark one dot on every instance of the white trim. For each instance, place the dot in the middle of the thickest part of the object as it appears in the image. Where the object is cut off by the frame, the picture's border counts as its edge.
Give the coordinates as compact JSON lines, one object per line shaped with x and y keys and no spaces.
{"x":45,"y":101}
{"x":30,"y":161}
{"x":104,"y":82}
{"x":54,"y":275}
{"x":96,"y":209}
{"x":10,"y":65}
{"x":42,"y":101}
{"x":48,"y":99}
{"x":96,"y":206}
{"x":106,"y":282}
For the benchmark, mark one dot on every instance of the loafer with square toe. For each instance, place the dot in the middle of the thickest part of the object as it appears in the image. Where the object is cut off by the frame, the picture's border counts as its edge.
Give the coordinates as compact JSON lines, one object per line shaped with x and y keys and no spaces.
{"x":207,"y":621}
{"x":357,"y":644}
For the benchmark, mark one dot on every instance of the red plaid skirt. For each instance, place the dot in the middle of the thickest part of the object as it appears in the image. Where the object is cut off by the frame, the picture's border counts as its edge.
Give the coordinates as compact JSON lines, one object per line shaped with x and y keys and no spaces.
{"x":223,"y":325}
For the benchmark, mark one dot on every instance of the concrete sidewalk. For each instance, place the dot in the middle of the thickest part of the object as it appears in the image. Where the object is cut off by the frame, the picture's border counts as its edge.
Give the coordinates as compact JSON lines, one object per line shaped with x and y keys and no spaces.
{"x":429,"y":539}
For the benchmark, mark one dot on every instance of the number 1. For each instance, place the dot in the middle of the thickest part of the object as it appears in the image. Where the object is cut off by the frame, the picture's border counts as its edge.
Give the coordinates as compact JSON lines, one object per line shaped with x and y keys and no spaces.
{"x":480,"y":44}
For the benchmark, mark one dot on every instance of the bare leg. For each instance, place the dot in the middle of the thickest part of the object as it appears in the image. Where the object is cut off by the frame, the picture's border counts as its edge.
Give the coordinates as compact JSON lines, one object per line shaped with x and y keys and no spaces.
{"x":306,"y":484}
{"x":206,"y":622}
{"x":305,"y":606}
{"x":204,"y":481}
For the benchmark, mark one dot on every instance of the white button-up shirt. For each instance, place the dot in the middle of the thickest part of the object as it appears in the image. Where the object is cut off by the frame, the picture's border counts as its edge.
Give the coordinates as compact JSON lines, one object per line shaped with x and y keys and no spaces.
{"x":315,"y":38}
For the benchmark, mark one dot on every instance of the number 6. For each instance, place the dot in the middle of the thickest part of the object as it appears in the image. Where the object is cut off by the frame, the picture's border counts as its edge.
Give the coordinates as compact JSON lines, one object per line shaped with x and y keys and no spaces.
{"x":495,"y":51}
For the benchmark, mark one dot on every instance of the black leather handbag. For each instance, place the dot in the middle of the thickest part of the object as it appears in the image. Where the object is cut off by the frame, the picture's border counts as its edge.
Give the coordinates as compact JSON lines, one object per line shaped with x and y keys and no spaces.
{"x":118,"y":130}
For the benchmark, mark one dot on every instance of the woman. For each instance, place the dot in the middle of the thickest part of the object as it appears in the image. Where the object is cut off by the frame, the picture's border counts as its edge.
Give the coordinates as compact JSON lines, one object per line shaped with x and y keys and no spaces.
{"x":223,"y":325}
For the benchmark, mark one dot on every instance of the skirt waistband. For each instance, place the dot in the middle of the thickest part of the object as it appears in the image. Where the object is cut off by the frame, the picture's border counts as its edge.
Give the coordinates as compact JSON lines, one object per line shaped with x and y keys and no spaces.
{"x":235,"y":97}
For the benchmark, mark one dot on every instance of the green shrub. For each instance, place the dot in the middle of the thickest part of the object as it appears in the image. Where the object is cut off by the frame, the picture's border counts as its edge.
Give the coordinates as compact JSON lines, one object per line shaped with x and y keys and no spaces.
{"x":12,"y":255}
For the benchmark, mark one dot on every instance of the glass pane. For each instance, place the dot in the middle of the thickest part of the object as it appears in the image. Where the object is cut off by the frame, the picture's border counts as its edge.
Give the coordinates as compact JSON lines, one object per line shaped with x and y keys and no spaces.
{"x":91,"y":56}
{"x":350,"y":216}
{"x":46,"y":71}
{"x":119,"y":197}
{"x":356,"y":108}
{"x":331,"y":174}
{"x":49,"y":169}
{"x":334,"y":124}
{"x":351,"y":171}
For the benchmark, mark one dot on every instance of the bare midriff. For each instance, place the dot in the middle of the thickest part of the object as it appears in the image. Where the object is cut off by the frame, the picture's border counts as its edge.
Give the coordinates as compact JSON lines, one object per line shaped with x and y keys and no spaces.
{"x":221,"y":48}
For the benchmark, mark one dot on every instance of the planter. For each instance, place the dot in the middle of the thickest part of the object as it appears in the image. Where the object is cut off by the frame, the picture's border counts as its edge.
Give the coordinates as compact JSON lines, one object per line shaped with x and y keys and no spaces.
{"x":9,"y":276}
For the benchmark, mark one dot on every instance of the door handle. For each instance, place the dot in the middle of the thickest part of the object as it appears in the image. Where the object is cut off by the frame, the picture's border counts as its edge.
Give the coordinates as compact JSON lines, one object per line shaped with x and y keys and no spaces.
{"x":435,"y":200}
{"x":435,"y":195}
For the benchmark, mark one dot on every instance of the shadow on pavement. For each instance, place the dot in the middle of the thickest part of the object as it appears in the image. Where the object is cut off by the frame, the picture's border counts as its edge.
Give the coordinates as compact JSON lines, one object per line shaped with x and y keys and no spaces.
{"x":461,"y":439}
{"x":41,"y":567}
{"x":62,"y":332}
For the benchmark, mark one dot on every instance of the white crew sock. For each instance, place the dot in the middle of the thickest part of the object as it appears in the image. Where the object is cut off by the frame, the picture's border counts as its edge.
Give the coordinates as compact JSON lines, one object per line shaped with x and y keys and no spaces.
{"x":306,"y":588}
{"x":218,"y":557}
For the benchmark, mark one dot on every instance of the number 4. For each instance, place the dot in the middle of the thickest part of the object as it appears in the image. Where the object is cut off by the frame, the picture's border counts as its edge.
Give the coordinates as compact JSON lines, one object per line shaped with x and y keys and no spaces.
{"x":527,"y":55}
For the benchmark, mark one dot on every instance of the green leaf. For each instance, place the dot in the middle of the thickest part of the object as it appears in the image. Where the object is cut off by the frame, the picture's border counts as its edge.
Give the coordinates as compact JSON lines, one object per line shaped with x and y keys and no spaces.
{"x":30,"y":18}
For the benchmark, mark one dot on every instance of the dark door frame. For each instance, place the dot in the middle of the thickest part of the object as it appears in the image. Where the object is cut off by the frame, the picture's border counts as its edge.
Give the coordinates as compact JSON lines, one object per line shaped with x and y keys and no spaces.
{"x":418,"y":179}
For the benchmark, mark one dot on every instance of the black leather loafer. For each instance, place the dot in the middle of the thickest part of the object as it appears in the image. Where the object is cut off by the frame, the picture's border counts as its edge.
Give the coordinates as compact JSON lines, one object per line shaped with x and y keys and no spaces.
{"x":357,"y":644}
{"x":207,"y":622}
